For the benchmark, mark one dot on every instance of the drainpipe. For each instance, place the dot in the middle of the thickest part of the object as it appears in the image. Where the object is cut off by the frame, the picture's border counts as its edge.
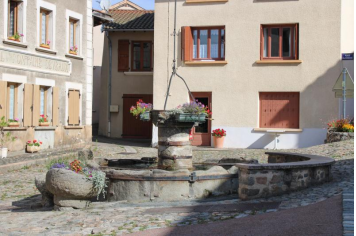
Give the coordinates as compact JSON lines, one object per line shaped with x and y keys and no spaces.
{"x":109,"y":82}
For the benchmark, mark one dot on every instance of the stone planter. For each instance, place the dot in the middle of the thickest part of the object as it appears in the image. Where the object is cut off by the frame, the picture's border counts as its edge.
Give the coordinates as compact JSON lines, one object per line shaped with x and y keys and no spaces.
{"x":69,"y":188}
{"x":14,"y":124}
{"x":189,"y":117}
{"x":145,"y":116}
{"x":32,"y":149}
{"x":219,"y":141}
{"x":73,"y":52}
{"x":333,"y":136}
{"x":44,"y":123}
{"x":3,"y":152}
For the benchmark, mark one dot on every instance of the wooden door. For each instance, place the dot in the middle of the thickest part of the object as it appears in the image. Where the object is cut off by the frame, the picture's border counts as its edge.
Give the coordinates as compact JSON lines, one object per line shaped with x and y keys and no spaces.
{"x":202,"y":133}
{"x":133,"y":127}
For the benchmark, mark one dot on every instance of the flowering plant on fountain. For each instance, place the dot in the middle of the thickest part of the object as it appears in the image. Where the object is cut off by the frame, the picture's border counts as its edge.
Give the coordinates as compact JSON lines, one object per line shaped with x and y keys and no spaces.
{"x":141,"y":110}
{"x":193,"y":111}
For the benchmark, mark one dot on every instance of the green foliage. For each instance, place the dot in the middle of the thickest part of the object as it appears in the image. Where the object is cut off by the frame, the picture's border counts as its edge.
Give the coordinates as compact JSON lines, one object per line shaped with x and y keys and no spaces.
{"x":99,"y":181}
{"x":4,"y":136}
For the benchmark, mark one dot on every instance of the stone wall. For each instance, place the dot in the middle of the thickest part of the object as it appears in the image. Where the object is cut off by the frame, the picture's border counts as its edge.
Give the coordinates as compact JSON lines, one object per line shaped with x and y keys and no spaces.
{"x":258,"y":181}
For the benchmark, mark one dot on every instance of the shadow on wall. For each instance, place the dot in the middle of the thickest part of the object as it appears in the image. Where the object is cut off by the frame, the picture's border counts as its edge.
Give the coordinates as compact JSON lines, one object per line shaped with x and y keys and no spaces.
{"x":312,"y":101}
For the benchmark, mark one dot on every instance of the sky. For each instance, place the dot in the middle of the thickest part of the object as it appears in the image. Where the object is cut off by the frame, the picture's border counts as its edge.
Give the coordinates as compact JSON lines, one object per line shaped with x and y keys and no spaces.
{"x":147,"y":4}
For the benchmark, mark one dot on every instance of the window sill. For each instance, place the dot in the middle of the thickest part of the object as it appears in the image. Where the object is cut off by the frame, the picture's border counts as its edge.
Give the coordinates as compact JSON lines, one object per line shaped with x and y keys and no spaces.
{"x":45,"y":128}
{"x":205,"y":62}
{"x":15,"y":128}
{"x":15,"y":43}
{"x":73,"y":127}
{"x":39,"y":49}
{"x":204,"y":1}
{"x":277,"y":130}
{"x":279,"y":61}
{"x":74,"y":56}
{"x":139,"y":73}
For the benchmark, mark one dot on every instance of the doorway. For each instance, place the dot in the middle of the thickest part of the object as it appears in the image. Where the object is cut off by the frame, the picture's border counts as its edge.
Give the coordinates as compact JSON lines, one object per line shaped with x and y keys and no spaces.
{"x":133,"y":127}
{"x":202,"y":133}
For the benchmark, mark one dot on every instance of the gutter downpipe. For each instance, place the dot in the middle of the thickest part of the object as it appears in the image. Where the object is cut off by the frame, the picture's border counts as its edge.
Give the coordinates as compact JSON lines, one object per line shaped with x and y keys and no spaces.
{"x":110,"y":75}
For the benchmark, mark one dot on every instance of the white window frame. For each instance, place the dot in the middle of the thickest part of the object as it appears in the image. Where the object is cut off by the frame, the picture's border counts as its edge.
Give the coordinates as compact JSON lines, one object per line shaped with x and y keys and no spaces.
{"x":48,"y":83}
{"x":50,"y":7}
{"x":21,"y":80}
{"x":6,"y":17}
{"x":79,"y":17}
{"x":76,"y":86}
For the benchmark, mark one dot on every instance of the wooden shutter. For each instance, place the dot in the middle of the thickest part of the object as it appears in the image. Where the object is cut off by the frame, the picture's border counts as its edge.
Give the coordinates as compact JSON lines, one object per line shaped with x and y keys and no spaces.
{"x":73,"y":111}
{"x":187,"y":43}
{"x":296,"y":42}
{"x":123,"y":52}
{"x":3,"y":102}
{"x":279,"y":110}
{"x":27,"y":105}
{"x":55,"y":106}
{"x":36,"y":105}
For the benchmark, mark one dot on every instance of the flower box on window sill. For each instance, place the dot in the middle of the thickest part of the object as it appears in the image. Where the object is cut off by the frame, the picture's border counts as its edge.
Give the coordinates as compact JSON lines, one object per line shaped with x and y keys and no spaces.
{"x":190,"y":117}
{"x":13,"y":39}
{"x":73,"y":52}
{"x":44,"y":123}
{"x":14,"y":124}
{"x":32,"y":149}
{"x":42,"y":45}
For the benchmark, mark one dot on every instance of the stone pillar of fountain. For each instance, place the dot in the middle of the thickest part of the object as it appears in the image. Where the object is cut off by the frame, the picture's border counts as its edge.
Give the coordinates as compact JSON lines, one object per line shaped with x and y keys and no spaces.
{"x":174,"y":147}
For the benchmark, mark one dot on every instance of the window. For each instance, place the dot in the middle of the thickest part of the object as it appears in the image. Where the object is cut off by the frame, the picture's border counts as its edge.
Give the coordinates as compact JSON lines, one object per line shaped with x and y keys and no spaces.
{"x":73,"y":36}
{"x":15,"y":20}
{"x":208,"y":43}
{"x":43,"y":100}
{"x":12,"y":90}
{"x":141,"y":56}
{"x":44,"y":28}
{"x":279,"y":42}
{"x":279,"y":109}
{"x":203,"y":43}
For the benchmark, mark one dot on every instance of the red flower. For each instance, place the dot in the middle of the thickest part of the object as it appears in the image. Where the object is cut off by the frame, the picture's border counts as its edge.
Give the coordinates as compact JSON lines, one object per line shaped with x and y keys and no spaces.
{"x":34,"y":141}
{"x":28,"y":142}
{"x":41,"y":143}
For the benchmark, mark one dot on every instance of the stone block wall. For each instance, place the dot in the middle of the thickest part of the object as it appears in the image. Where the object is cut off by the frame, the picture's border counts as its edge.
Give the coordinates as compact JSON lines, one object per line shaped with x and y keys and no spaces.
{"x":276,"y":178}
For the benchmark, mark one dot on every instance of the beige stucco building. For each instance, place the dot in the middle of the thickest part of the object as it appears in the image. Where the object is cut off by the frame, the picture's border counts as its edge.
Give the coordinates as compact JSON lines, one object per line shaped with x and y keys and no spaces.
{"x":46,"y":69}
{"x":301,"y":54}
{"x":262,"y":67}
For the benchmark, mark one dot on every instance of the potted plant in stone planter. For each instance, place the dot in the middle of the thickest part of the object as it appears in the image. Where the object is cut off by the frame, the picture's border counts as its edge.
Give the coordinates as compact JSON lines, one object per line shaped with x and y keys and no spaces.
{"x":13,"y":122}
{"x":43,"y":121}
{"x":219,"y":137}
{"x":192,"y":112}
{"x":5,"y":137}
{"x":33,"y":146}
{"x":46,"y":45}
{"x":75,"y":185}
{"x":339,"y":130}
{"x":142,"y":110}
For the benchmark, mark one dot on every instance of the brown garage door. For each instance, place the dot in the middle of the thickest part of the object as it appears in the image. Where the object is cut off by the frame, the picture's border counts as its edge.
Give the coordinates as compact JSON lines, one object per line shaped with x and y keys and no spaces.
{"x":132,"y":127}
{"x":279,"y":109}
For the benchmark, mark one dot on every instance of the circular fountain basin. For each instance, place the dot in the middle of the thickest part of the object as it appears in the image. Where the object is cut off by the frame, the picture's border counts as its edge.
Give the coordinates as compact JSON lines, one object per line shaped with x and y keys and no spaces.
{"x":140,"y":181}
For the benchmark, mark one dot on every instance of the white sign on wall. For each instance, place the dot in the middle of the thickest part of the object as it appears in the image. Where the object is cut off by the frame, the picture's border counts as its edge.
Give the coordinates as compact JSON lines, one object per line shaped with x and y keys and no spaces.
{"x":33,"y":62}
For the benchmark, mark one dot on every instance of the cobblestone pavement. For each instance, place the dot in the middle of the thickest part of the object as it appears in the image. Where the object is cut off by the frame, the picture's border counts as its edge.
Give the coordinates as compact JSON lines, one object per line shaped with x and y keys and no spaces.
{"x":20,"y":212}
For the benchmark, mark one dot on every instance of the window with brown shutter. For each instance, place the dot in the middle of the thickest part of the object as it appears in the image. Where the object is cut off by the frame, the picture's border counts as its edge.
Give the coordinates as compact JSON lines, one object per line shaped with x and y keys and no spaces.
{"x":36,"y":105}
{"x":73,"y":107}
{"x":123,"y":54}
{"x":3,"y":99}
{"x":141,"y":56}
{"x":279,"y":109}
{"x":203,"y":43}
